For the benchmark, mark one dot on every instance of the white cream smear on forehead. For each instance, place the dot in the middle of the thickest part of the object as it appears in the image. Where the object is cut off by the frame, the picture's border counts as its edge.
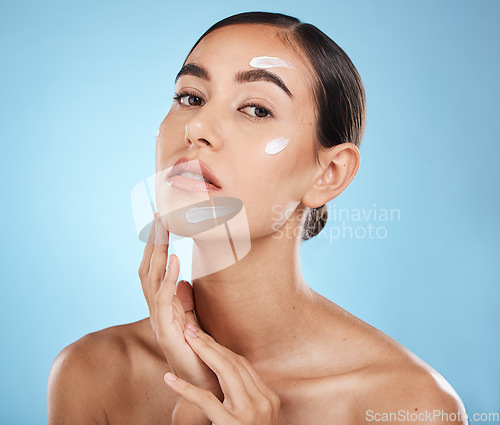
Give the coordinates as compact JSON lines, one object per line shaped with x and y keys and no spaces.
{"x":269,"y":62}
{"x":196,"y":215}
{"x":277,"y":145}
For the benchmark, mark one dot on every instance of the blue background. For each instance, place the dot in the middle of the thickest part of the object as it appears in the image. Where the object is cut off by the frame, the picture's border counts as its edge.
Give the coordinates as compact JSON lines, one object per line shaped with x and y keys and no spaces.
{"x":83,"y":89}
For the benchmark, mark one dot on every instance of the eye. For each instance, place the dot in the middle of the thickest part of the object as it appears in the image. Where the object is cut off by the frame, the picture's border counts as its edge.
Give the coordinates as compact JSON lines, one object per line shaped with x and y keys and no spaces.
{"x":259,"y":111}
{"x":188,"y":98}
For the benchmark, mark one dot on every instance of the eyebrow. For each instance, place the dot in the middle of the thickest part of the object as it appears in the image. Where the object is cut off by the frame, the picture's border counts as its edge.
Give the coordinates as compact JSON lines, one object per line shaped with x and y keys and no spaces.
{"x":249,"y":76}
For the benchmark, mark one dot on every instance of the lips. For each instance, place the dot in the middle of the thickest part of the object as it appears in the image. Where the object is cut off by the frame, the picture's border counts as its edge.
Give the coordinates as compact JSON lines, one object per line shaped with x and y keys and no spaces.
{"x":197,"y":167}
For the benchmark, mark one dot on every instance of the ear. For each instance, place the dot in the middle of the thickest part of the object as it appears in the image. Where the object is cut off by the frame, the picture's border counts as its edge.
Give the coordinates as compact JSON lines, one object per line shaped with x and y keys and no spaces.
{"x":338,"y":167}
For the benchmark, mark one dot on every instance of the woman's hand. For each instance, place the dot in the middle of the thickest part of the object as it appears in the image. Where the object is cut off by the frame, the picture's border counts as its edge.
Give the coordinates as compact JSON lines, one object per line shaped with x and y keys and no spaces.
{"x":171,"y":310}
{"x":247,"y":400}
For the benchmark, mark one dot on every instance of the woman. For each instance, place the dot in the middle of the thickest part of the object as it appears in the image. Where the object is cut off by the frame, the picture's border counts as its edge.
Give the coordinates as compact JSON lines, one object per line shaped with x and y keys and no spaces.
{"x":271,"y":112}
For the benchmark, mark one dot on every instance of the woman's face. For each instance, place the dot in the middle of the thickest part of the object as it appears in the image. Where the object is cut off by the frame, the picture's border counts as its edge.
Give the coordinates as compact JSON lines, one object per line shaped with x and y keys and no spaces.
{"x":217,"y":124}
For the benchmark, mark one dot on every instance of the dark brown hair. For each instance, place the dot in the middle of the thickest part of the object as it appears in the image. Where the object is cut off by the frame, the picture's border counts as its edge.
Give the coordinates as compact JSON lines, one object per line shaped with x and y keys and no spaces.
{"x":339,"y":93}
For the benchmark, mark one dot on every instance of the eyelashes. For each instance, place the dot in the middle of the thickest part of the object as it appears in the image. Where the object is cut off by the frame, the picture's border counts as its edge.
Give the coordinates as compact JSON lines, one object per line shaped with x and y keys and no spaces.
{"x":183,"y":94}
{"x":186,"y":94}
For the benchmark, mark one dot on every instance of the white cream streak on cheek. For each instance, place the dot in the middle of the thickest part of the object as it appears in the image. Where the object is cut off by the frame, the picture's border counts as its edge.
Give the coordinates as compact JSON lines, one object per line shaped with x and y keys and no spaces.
{"x":269,"y":62}
{"x":277,"y":145}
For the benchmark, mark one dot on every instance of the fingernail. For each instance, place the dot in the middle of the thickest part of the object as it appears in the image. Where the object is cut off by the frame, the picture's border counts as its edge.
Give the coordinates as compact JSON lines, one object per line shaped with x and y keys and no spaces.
{"x":190,"y":333}
{"x":171,"y":377}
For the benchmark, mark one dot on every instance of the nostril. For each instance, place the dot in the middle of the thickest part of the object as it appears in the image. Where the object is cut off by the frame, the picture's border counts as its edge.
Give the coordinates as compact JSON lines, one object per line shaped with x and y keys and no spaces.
{"x":200,"y":142}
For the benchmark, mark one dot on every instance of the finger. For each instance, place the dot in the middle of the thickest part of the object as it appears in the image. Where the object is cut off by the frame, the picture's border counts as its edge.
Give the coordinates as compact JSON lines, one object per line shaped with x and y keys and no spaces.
{"x":158,"y":260}
{"x":205,"y":400}
{"x":151,"y":239}
{"x":256,"y":388}
{"x":191,"y":318}
{"x":179,"y":313}
{"x":253,"y":382}
{"x":184,"y":292}
{"x":252,"y":374}
{"x":163,"y":304}
{"x":153,"y":278}
{"x":225,"y":365}
{"x":165,"y":294}
{"x":162,"y":234}
{"x":146,"y":259}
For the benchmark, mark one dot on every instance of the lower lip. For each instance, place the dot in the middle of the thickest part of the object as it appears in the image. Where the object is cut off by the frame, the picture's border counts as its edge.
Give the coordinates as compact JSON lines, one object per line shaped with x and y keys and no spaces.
{"x":191,"y":185}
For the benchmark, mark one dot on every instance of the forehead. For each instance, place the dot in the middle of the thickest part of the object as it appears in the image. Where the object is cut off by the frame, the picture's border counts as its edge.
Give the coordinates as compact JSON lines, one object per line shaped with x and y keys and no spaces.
{"x":232,"y":48}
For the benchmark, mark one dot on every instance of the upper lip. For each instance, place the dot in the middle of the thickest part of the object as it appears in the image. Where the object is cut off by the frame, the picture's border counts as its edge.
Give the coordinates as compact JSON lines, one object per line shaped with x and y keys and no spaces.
{"x":193,"y":166}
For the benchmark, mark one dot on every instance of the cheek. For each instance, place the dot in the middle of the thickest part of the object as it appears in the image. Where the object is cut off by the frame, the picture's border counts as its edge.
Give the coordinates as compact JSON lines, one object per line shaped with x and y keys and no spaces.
{"x":292,"y":169}
{"x":169,"y":140}
{"x":277,"y":169}
{"x":274,"y":177}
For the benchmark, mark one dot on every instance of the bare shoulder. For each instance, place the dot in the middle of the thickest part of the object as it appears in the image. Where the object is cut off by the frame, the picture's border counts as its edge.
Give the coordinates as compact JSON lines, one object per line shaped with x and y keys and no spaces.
{"x":85,"y":374}
{"x":385,"y":381}
{"x":409,"y":392}
{"x":397,"y":381}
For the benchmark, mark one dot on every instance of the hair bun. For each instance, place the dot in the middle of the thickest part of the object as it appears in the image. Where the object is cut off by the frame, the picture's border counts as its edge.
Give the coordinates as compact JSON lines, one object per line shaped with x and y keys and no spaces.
{"x":315,"y":221}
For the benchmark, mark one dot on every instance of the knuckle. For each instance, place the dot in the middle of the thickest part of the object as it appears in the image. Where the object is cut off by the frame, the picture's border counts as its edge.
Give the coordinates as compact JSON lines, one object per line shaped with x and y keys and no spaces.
{"x":275,"y":400}
{"x":264,"y":406}
{"x":244,"y":361}
{"x":208,"y":397}
{"x":230,"y":369}
{"x":142,"y":272}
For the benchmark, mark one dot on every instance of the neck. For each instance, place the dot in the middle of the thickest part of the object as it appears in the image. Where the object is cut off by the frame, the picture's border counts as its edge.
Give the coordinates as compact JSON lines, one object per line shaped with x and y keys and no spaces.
{"x":256,"y":305}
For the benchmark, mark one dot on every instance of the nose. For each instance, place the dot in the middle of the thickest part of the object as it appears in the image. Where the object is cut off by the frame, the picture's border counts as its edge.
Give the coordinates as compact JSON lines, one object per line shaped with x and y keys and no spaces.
{"x":204,"y":129}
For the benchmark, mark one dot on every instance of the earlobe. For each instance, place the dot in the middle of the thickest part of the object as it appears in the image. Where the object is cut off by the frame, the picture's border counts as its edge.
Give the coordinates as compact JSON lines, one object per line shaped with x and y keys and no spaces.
{"x":342,"y":165}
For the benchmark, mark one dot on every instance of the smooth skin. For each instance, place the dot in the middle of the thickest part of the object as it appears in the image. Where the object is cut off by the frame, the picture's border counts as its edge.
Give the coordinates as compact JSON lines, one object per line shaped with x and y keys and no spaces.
{"x":268,"y":349}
